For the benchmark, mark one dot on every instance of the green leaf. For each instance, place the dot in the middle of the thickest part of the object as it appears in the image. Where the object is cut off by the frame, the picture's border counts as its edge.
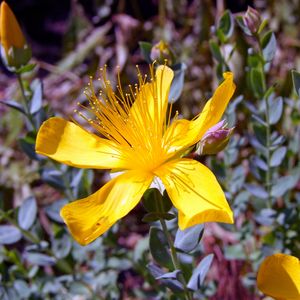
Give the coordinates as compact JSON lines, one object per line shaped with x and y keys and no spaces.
{"x":284,"y":184}
{"x":26,"y":69}
{"x":151,"y":199}
{"x":22,"y":288}
{"x":39,"y":259}
{"x":145,"y":48}
{"x":54,"y":208}
{"x":269,"y":46}
{"x":215,"y":50}
{"x":37,"y":97}
{"x":260,"y":133}
{"x":154,"y":202}
{"x":240,"y":22}
{"x":61,"y":247}
{"x":188,"y":239}
{"x":155,"y":216}
{"x":225,"y":26}
{"x":262,"y":26}
{"x":158,"y":248}
{"x":78,"y":288}
{"x":27,"y":213}
{"x":275,"y":110}
{"x":9,"y":234}
{"x":170,"y":275}
{"x":15,"y":105}
{"x":278,"y":156}
{"x":266,"y":217}
{"x":257,"y":82}
{"x":296,"y":81}
{"x":53,"y":178}
{"x":257,"y":191}
{"x":173,"y":284}
{"x":178,"y":82}
{"x":27,"y":144}
{"x":200,"y":272}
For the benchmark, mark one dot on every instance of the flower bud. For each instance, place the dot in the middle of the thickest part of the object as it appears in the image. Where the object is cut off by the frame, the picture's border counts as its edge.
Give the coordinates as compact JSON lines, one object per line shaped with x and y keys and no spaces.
{"x":215,"y":139}
{"x":161,"y":52}
{"x":14,"y":50}
{"x":252,"y":19}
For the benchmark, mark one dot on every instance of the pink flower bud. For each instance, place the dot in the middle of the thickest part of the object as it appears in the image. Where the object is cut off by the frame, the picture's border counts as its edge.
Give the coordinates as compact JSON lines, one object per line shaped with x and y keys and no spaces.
{"x":215,"y":139}
{"x":252,"y":19}
{"x":161,"y":52}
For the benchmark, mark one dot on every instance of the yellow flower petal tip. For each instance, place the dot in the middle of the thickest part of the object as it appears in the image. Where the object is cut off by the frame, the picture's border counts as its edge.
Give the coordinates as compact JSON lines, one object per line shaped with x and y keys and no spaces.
{"x":10,"y":31}
{"x":70,"y":144}
{"x":90,"y":217}
{"x":212,"y":215}
{"x":279,"y":277}
{"x":134,"y":133}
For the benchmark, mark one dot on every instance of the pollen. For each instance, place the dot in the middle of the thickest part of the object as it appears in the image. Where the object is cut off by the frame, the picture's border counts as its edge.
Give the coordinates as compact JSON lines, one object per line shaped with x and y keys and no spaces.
{"x":136,"y":119}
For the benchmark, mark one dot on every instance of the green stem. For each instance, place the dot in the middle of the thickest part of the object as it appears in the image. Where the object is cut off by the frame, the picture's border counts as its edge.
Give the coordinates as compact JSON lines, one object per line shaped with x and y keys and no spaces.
{"x":268,"y":155}
{"x":268,"y":127}
{"x":162,"y":14}
{"x":26,"y":102}
{"x":174,"y":257}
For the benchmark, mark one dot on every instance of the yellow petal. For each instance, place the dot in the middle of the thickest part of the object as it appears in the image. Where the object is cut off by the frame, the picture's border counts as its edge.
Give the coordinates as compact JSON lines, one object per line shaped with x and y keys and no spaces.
{"x":183,"y":134}
{"x":195,"y":192}
{"x":152,"y":100}
{"x":10,"y":31}
{"x":90,"y":217}
{"x":279,"y":277}
{"x":68,"y":143}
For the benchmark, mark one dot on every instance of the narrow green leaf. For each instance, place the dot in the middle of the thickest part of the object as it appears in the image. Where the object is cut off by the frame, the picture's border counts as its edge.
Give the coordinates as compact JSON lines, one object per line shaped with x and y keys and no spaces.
{"x":269,"y":46}
{"x":215,"y":50}
{"x":173,"y":284}
{"x":177,"y":83}
{"x":225,"y":26}
{"x":188,"y":239}
{"x":278,"y":156}
{"x":37,"y":97}
{"x":145,"y":48}
{"x":257,"y":82}
{"x":200,"y":272}
{"x":155,"y":216}
{"x":275,"y":109}
{"x":27,"y":213}
{"x":296,"y":81}
{"x":39,"y":259}
{"x":15,"y":105}
{"x":9,"y":234}
{"x":159,"y":248}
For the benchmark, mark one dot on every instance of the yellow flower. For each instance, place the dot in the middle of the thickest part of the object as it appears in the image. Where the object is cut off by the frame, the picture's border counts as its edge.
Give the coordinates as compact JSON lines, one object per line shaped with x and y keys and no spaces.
{"x":15,"y":52}
{"x":139,"y":140}
{"x":279,"y":277}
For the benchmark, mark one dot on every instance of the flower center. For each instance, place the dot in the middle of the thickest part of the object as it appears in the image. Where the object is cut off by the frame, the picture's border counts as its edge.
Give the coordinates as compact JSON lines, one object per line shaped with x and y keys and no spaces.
{"x":135,"y":121}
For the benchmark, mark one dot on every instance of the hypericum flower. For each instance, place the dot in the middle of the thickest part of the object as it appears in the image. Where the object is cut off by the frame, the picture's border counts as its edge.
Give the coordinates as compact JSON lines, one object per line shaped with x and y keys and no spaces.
{"x":14,"y":50}
{"x":138,"y":139}
{"x":279,"y":277}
